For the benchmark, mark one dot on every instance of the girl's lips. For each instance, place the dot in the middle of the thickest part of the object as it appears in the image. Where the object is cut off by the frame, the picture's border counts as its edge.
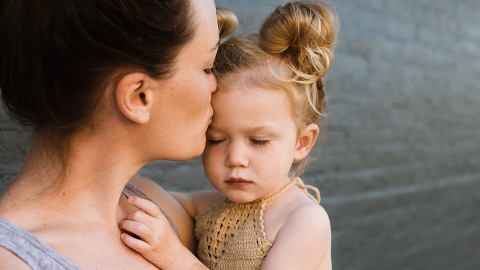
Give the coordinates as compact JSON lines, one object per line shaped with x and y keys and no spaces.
{"x":238,"y":182}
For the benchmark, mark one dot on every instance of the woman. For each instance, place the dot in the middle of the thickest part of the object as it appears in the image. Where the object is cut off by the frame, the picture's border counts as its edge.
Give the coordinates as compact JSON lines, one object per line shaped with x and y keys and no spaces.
{"x":108,"y":86}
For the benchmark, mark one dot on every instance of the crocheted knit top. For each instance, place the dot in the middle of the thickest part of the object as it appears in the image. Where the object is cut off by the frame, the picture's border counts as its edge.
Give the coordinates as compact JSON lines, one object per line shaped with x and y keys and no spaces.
{"x":232,"y":235}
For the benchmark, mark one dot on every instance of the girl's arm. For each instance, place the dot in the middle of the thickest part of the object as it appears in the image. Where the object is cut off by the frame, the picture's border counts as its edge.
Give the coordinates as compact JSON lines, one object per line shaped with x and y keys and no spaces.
{"x":181,"y":207}
{"x":172,"y":207}
{"x":195,"y":203}
{"x":304,"y":242}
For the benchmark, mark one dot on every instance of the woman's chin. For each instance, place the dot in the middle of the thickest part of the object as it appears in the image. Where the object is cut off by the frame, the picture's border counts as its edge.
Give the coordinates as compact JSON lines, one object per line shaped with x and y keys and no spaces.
{"x":194,"y":152}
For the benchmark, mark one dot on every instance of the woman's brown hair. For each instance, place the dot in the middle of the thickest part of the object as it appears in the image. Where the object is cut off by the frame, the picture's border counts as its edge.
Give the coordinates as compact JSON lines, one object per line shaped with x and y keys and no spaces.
{"x":58,"y":55}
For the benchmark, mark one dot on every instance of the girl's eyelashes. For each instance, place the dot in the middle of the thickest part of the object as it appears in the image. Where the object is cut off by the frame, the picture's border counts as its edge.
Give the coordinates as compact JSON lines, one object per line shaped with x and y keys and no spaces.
{"x":214,"y":141}
{"x":260,"y":142}
{"x":257,"y":142}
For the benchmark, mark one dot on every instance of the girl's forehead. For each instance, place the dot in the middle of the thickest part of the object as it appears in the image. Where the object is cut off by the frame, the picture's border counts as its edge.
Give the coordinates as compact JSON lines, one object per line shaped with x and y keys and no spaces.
{"x":250,"y":101}
{"x":268,"y":70}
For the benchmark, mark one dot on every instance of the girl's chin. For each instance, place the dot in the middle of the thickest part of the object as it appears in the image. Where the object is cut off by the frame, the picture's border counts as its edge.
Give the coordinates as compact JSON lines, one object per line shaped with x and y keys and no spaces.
{"x":242,"y":200}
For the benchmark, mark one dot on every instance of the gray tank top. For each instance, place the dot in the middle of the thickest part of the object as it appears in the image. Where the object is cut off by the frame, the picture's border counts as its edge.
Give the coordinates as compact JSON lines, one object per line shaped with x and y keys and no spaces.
{"x":38,"y":254}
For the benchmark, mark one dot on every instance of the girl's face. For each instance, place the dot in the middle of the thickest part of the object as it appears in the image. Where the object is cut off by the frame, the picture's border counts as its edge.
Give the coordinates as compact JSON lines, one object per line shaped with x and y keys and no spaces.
{"x":251,"y":142}
{"x":183,"y":110}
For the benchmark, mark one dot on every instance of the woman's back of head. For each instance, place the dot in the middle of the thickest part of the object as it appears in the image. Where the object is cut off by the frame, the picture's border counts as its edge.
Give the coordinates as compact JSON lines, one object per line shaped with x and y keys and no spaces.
{"x":58,"y":56}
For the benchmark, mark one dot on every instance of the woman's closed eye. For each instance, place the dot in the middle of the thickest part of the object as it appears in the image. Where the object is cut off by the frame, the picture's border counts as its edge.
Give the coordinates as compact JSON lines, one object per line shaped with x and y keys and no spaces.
{"x":208,"y":71}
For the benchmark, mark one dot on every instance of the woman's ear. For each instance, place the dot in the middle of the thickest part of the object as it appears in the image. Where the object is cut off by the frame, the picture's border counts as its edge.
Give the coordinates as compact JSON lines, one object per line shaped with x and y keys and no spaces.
{"x":134,"y":97}
{"x":306,"y":141}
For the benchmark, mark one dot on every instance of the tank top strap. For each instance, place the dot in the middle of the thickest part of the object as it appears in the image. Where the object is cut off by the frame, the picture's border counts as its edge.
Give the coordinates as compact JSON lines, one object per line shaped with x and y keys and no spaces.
{"x":33,"y":251}
{"x":305,"y":188}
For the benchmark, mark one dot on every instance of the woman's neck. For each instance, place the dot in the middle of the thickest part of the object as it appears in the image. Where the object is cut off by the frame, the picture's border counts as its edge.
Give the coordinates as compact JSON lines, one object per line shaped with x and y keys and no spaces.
{"x":87,"y":185}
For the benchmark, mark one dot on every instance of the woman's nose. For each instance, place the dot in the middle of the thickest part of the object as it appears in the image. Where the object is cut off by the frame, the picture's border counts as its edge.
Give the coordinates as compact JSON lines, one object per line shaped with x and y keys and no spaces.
{"x":213,"y":84}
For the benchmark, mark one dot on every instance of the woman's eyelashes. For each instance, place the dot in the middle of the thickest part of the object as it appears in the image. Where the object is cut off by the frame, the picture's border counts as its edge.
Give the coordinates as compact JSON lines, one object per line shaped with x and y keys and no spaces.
{"x":208,"y":71}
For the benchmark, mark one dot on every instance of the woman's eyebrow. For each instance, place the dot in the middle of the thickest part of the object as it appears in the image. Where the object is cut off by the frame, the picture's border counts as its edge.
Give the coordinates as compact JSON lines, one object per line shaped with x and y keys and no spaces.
{"x":216,"y":46}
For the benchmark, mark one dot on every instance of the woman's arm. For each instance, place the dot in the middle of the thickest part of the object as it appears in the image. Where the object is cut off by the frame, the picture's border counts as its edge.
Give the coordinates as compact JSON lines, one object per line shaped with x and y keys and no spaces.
{"x":303,"y":242}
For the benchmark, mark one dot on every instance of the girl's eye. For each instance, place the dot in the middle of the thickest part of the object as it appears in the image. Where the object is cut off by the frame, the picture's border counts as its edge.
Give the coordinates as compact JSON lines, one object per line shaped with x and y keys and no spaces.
{"x":214,"y":142}
{"x":208,"y":71}
{"x":260,"y":142}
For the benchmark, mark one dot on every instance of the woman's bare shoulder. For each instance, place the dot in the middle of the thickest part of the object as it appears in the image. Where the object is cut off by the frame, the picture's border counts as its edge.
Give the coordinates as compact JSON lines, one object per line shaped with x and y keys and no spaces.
{"x":8,"y":260}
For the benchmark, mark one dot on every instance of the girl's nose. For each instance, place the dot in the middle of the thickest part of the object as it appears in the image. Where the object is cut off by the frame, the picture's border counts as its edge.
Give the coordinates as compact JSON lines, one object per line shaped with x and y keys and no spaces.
{"x":236,"y":156}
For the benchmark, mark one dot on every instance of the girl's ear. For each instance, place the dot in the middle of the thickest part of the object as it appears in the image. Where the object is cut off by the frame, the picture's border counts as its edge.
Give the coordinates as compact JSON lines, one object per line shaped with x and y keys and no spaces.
{"x":306,"y":141}
{"x":134,"y":97}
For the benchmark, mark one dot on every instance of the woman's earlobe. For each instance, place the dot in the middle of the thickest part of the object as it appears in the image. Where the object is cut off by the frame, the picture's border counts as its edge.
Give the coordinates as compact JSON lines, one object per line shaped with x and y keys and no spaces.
{"x":306,"y":141}
{"x":133,"y":97}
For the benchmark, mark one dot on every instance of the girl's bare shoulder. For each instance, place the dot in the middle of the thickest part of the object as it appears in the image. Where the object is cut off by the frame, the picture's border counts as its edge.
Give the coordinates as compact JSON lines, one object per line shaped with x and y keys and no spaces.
{"x":305,"y":211}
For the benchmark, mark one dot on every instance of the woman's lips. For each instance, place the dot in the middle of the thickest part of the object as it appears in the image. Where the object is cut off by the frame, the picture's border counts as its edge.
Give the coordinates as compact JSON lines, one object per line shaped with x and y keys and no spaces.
{"x":238,"y":182}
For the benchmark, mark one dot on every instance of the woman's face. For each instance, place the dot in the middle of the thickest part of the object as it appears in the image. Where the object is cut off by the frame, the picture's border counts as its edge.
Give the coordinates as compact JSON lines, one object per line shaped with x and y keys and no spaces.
{"x":183,"y":111}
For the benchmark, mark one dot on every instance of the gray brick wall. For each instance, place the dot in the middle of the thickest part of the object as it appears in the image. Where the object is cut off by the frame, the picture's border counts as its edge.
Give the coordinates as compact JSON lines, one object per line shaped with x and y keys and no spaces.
{"x":400,"y":168}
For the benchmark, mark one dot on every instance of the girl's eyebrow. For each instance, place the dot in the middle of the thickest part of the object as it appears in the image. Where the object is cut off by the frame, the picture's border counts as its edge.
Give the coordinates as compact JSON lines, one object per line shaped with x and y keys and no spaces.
{"x":252,"y":129}
{"x":268,"y":129}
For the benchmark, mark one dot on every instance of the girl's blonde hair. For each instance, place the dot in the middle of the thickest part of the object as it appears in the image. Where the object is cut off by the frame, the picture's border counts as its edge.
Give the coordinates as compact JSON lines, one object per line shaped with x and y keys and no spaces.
{"x":292,"y":52}
{"x":227,"y":22}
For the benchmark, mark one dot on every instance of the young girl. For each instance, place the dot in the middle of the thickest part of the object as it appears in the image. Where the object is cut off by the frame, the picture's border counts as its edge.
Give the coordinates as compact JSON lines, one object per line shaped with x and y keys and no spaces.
{"x":270,"y":97}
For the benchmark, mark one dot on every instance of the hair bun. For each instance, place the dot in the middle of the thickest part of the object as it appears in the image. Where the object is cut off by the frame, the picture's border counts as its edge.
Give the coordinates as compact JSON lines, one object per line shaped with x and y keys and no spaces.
{"x":303,"y":34}
{"x":227,"y":22}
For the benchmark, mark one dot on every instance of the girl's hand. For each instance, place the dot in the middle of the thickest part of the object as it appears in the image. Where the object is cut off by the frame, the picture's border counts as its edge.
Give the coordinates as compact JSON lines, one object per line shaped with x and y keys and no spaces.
{"x":157,"y":241}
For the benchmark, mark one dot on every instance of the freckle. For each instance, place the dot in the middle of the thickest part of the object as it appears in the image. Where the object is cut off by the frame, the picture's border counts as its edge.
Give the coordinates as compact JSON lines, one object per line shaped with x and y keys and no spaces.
{"x":63,"y":193}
